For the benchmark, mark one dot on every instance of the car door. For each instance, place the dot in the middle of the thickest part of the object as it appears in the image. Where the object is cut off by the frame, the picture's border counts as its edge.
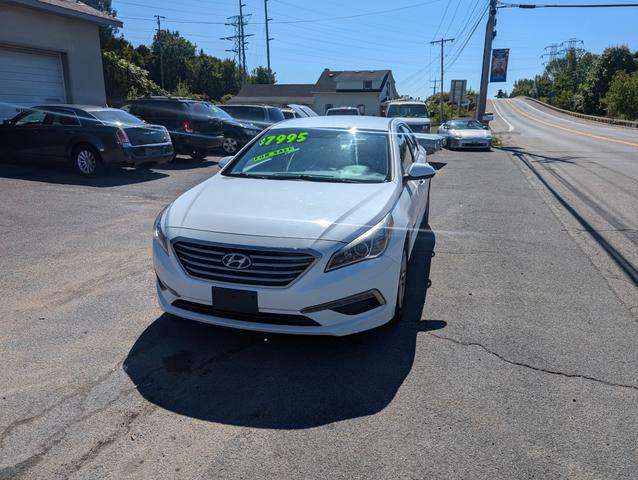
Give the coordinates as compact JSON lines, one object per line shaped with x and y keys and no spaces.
{"x":410,"y":187}
{"x":420,"y":156}
{"x":26,"y":129}
{"x":60,"y":126}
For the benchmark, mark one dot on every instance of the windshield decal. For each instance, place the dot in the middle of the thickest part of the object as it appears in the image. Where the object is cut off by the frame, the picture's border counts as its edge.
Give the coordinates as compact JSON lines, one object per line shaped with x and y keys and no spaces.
{"x":279,"y":139}
{"x":273,"y":153}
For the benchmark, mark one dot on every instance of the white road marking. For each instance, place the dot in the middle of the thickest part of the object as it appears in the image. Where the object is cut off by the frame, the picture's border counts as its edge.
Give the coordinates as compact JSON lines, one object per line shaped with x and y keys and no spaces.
{"x":498,"y":112}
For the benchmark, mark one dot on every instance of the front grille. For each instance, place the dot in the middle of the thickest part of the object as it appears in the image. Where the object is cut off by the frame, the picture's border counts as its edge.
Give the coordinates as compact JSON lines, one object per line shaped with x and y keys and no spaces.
{"x":269,"y":268}
{"x":269,"y":318}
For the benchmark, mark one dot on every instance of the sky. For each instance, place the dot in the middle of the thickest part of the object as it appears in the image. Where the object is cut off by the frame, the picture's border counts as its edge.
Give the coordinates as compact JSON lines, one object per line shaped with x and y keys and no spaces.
{"x":380,"y":34}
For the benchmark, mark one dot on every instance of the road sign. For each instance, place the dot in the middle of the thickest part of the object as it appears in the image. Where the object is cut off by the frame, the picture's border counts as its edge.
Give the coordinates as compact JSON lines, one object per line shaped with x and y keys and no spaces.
{"x":500,"y":57}
{"x":457,"y":91}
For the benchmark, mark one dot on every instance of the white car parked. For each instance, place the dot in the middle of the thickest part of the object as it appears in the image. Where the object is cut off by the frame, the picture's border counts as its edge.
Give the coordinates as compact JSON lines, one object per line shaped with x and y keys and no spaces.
{"x":307,"y":230}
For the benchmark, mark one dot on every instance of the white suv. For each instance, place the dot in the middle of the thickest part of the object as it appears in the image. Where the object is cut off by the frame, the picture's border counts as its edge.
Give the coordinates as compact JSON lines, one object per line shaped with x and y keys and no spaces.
{"x":415,"y":114}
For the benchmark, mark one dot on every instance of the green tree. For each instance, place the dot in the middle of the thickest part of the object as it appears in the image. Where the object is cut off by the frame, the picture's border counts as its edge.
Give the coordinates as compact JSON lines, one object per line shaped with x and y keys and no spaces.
{"x":612,"y":60}
{"x":124,"y":80}
{"x":501,"y":94}
{"x":262,"y":75}
{"x":178,"y":55}
{"x":621,"y":99}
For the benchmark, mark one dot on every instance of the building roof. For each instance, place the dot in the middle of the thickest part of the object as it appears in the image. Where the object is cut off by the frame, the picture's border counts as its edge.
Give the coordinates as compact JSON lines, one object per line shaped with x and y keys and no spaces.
{"x":70,"y":8}
{"x":329,"y":78}
{"x":283,"y":93}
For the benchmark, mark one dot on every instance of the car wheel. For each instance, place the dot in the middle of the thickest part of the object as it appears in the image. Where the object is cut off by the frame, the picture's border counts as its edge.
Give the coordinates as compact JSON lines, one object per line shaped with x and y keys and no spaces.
{"x":403,"y":277}
{"x":230,"y":145}
{"x":198,"y":154}
{"x":87,"y":161}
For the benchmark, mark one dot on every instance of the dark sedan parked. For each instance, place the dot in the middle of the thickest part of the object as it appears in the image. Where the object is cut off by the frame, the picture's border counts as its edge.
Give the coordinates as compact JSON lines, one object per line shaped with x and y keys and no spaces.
{"x":91,"y":137}
{"x":194,"y":129}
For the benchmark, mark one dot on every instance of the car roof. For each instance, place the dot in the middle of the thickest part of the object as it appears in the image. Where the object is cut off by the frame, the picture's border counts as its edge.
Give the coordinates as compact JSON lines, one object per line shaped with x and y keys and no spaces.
{"x":342,"y":108}
{"x":338,"y":121}
{"x":71,"y":105}
{"x":407,"y":102}
{"x":244,"y":105}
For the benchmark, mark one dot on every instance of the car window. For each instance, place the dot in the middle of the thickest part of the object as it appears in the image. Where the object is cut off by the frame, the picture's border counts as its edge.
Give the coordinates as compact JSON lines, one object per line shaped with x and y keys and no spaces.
{"x":405,"y":149}
{"x":275,"y":114}
{"x":250,"y":113}
{"x":410,"y":110}
{"x":321,"y":154}
{"x":116,"y":117}
{"x":62,"y":117}
{"x":36,"y":117}
{"x":217,"y":112}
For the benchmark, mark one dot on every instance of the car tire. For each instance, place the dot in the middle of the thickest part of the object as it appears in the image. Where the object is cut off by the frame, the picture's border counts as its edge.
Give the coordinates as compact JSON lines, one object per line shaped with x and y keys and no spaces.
{"x":401,"y":287}
{"x":198,"y":154}
{"x":87,"y":161}
{"x":231,"y":145}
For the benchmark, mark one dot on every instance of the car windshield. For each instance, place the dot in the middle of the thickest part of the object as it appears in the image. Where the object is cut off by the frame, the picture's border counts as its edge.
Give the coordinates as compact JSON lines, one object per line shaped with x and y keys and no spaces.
{"x":317,"y":154}
{"x":413,"y":110}
{"x":116,"y":117}
{"x":465,"y":125}
{"x":343,"y":111}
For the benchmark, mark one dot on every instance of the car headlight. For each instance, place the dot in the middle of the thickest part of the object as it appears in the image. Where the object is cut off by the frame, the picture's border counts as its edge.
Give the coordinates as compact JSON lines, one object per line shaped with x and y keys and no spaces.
{"x":158,"y":231}
{"x":370,"y":245}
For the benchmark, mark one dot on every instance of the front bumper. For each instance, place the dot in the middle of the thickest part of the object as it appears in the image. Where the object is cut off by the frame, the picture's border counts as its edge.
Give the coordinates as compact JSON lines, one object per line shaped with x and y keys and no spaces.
{"x":470,"y":143}
{"x":306,"y":297}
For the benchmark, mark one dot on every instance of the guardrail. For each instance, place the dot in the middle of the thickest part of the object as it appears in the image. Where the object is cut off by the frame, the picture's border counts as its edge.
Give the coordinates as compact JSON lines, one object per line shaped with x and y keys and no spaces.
{"x":613,"y":121}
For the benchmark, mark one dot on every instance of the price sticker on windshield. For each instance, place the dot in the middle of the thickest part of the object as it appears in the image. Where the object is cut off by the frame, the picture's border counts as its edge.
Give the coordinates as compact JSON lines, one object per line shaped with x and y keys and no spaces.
{"x":279,"y":139}
{"x":274,"y":153}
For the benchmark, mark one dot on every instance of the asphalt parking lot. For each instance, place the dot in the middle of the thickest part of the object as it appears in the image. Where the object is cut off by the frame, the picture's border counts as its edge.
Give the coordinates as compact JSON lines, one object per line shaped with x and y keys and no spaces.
{"x":519,"y":362}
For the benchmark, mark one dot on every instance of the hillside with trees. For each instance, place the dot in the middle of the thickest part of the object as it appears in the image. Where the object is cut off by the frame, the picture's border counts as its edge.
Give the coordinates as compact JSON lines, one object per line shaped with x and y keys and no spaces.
{"x":580,"y":81}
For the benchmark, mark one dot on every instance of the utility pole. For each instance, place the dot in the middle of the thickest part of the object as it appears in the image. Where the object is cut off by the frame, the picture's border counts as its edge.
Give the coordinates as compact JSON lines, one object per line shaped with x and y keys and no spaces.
{"x":159,"y":43}
{"x":239,"y":22}
{"x":442,"y":42}
{"x":434,"y":86}
{"x":490,"y":33}
{"x":268,"y":39}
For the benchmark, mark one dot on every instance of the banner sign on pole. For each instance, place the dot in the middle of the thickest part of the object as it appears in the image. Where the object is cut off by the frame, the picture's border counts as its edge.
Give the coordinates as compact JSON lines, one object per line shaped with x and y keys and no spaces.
{"x":500,"y":57}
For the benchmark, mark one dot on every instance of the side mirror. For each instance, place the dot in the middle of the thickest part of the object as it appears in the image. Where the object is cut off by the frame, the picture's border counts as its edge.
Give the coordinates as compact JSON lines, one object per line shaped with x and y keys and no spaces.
{"x":224,"y":161}
{"x":420,"y":171}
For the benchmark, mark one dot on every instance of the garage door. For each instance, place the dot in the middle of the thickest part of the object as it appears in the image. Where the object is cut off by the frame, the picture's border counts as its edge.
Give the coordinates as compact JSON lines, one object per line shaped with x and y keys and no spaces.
{"x":29,"y":78}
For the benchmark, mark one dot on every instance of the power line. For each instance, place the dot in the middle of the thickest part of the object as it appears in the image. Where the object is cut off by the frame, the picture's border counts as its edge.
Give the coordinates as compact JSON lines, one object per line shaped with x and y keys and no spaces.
{"x":344,"y":17}
{"x":580,"y":5}
{"x":459,"y":50}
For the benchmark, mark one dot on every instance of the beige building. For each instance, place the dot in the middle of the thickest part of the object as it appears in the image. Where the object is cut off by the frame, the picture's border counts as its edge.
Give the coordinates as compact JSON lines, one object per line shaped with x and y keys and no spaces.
{"x":50,"y":53}
{"x":365,"y":89}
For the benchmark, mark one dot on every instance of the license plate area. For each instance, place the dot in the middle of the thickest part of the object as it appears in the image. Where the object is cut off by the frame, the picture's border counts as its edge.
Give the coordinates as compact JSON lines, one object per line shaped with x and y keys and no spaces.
{"x":234,"y":300}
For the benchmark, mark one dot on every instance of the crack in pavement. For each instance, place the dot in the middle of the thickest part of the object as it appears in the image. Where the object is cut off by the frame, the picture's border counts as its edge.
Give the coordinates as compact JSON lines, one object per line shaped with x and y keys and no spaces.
{"x":532,"y":367}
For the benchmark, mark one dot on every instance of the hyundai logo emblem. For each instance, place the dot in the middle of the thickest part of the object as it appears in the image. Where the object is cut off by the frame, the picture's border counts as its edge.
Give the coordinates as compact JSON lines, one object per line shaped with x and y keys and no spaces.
{"x":236,"y":261}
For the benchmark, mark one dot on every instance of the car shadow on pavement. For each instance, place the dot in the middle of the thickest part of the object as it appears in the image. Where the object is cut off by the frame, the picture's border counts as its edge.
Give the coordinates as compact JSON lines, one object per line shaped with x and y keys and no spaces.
{"x":187,"y":163}
{"x":281,"y":381}
{"x":47,"y":172}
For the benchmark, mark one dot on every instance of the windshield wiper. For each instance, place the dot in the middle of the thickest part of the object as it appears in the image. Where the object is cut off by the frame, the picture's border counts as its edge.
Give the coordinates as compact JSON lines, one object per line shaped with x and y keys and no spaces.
{"x":312,"y":178}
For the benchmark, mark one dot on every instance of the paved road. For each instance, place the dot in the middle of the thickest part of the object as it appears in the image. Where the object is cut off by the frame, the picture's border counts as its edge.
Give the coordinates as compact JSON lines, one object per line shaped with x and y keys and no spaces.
{"x":519,"y":361}
{"x":589,"y":172}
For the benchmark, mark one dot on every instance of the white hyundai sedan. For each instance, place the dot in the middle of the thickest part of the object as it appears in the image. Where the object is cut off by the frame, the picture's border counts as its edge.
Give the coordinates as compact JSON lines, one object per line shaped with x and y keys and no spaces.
{"x":307,"y":230}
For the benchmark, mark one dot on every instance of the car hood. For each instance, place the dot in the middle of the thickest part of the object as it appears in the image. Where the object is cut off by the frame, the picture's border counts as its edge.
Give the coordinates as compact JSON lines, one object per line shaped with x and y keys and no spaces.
{"x":478,"y":133}
{"x":282,"y":208}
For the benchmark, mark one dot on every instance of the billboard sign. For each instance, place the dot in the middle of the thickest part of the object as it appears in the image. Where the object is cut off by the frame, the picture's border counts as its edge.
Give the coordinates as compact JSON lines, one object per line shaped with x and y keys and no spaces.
{"x":457,"y":91}
{"x":500,"y":57}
